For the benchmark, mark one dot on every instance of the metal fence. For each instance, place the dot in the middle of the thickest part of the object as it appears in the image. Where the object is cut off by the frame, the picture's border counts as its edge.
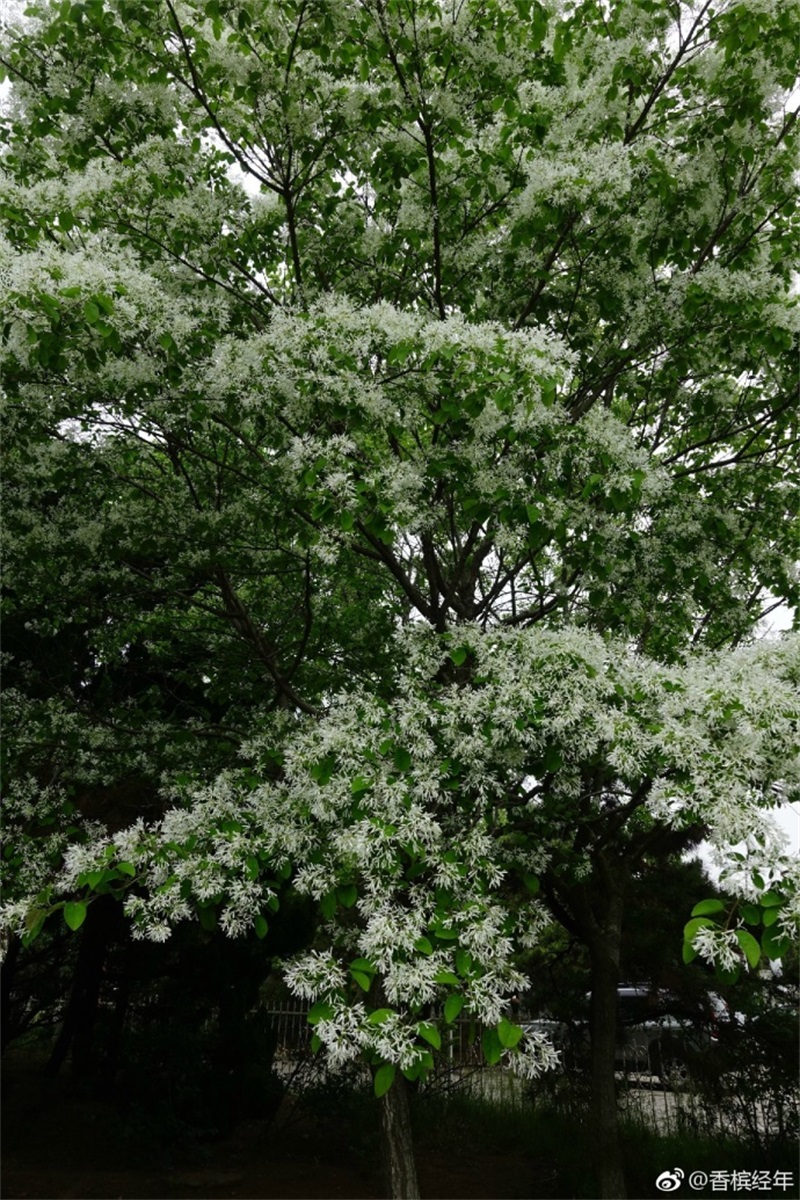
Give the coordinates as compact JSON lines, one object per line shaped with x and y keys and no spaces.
{"x":674,"y":1102}
{"x":460,"y":1040}
{"x":292,"y":1031}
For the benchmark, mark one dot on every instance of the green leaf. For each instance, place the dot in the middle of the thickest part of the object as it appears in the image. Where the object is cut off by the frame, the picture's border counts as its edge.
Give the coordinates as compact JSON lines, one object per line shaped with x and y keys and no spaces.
{"x":424,"y":945}
{"x":770,"y":916}
{"x":445,"y":934}
{"x":459,"y":655}
{"x":74,"y":914}
{"x":347,"y":895}
{"x":91,"y":312}
{"x":509,"y":1033}
{"x":252,"y":867}
{"x":208,"y":919}
{"x":463,"y":962}
{"x":752,"y":950}
{"x":689,"y":954}
{"x":553,"y":761}
{"x":447,"y":977}
{"x":531,"y":883}
{"x":322,"y":771}
{"x":691,"y":927}
{"x":316,"y":1043}
{"x":492,"y":1046}
{"x":452,"y":1007}
{"x":34,"y":921}
{"x":327,"y":905}
{"x":126,"y":868}
{"x":751,"y":913}
{"x":431,"y":1034}
{"x":726,"y":974}
{"x":363,"y":964}
{"x":321,"y":1011}
{"x":384,"y":1078}
{"x":261,"y":926}
{"x":402,"y":759}
{"x":705,"y":907}
{"x":774,"y":944}
{"x":360,"y":785}
{"x":379,"y":1015}
{"x":363,"y":980}
{"x":771,"y":900}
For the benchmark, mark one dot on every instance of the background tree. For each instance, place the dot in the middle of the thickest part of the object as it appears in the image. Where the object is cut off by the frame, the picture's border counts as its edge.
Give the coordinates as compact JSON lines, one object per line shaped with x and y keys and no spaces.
{"x":434,"y":471}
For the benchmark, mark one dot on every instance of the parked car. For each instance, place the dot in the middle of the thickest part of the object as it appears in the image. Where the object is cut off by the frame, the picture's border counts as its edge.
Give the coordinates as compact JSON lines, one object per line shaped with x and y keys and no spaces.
{"x":657,"y":1032}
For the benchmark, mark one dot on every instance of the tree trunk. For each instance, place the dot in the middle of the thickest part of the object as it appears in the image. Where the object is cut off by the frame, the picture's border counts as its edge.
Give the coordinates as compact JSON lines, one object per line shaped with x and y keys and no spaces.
{"x":116,"y":1034}
{"x":77,"y":1029}
{"x":7,"y":971}
{"x":397,"y":1143}
{"x":604,"y":956}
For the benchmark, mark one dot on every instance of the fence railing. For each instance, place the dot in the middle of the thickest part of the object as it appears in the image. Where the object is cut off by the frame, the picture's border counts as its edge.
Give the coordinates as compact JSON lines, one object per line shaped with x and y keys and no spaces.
{"x":670,"y":1102}
{"x":289,"y":1020}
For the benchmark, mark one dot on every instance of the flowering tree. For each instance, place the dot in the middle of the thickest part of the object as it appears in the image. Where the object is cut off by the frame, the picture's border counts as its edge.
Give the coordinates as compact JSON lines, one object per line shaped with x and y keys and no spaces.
{"x":402,"y":403}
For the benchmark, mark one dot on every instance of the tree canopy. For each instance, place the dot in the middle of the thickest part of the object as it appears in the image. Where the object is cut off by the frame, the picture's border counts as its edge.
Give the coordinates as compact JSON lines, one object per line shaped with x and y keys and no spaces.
{"x":402,"y":449}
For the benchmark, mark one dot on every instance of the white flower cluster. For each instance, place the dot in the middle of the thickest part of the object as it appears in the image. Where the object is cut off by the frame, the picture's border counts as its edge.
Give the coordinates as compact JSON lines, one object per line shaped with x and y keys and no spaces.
{"x":394,"y":1040}
{"x":588,"y":172}
{"x":343,"y":1035}
{"x":535,"y":1055}
{"x":717,"y":945}
{"x":315,"y":975}
{"x":388,"y":812}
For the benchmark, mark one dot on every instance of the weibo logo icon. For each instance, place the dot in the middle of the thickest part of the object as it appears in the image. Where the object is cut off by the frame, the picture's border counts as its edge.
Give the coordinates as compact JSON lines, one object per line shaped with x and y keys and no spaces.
{"x":670,"y":1181}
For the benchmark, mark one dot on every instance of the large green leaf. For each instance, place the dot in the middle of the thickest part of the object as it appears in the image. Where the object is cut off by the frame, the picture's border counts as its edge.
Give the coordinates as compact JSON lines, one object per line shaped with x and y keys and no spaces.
{"x":750,"y":946}
{"x":74,"y":913}
{"x":452,"y":1007}
{"x":431,"y":1034}
{"x":492,"y":1046}
{"x":509,"y":1034}
{"x":384,"y":1078}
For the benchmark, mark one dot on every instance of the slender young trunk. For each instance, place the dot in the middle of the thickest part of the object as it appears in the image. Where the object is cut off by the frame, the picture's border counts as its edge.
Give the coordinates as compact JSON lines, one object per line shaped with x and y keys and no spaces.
{"x":604,"y":957}
{"x":397,"y":1143}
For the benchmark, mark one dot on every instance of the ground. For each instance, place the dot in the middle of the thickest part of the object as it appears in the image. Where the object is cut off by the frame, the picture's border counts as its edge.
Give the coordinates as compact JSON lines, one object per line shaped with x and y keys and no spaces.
{"x":59,"y":1142}
{"x":64,"y":1139}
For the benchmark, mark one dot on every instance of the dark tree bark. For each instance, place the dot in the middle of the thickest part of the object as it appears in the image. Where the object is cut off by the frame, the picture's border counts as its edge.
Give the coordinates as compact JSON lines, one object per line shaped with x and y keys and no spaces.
{"x":78,"y":1027}
{"x":593,"y":912}
{"x":116,"y":1033}
{"x":397,"y":1143}
{"x":604,"y":958}
{"x":7,"y":971}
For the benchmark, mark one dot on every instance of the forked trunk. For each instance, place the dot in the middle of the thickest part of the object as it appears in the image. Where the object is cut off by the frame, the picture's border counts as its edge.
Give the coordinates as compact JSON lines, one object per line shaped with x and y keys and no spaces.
{"x":397,"y":1143}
